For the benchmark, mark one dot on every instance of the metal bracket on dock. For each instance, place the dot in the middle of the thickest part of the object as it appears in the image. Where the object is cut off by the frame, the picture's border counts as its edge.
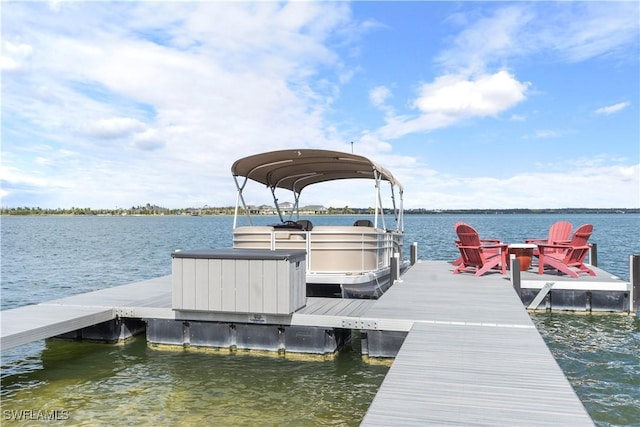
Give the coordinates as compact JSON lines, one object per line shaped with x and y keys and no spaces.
{"x":125,"y":312}
{"x":541,"y":295}
{"x":359,"y":324}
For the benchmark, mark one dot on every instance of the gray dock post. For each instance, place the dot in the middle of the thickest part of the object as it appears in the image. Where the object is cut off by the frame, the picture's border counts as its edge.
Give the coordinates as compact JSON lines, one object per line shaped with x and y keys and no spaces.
{"x":414,"y":253}
{"x":593,"y":254}
{"x":515,"y":276}
{"x":395,"y":268}
{"x":634,"y":276}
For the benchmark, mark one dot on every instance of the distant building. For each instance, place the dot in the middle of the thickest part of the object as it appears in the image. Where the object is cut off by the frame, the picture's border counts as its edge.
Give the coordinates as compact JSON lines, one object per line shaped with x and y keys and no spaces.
{"x":266,"y":210}
{"x":285,"y":207}
{"x":314,"y":209}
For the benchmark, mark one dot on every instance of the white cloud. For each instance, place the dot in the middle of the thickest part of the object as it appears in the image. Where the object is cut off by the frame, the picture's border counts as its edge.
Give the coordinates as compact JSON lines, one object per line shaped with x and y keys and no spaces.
{"x":552,"y":186}
{"x":544,"y":134}
{"x":452,"y":98}
{"x":488,"y":40}
{"x":379,"y":95}
{"x":610,"y":109}
{"x":584,"y":30}
{"x":487,"y":95}
{"x":148,"y":140}
{"x":14,"y":55}
{"x":566,"y":31}
{"x":144,"y":92}
{"x":115,"y":127}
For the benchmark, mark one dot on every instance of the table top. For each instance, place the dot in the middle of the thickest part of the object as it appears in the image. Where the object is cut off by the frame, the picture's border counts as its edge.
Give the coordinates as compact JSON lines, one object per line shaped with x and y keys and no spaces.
{"x":522,"y":246}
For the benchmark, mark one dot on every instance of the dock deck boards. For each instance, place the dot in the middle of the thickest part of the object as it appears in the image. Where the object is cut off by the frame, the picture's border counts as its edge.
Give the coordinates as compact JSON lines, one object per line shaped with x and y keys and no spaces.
{"x":39,"y":321}
{"x":35,"y":322}
{"x":430,"y":292}
{"x":475,"y":375}
{"x":472,"y":355}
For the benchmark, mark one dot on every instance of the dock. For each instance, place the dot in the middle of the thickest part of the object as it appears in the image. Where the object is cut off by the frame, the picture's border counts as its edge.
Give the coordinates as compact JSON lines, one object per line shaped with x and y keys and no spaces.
{"x":472,"y":356}
{"x":465,"y":348}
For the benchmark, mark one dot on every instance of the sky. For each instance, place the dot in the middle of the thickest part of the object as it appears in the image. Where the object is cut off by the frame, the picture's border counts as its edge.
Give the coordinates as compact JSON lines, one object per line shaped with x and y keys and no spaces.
{"x":489,"y":105}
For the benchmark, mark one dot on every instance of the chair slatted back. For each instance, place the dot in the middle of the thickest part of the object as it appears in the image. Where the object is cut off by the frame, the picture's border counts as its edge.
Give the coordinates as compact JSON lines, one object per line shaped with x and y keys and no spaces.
{"x":469,"y":245}
{"x":559,"y":232}
{"x":579,"y":247}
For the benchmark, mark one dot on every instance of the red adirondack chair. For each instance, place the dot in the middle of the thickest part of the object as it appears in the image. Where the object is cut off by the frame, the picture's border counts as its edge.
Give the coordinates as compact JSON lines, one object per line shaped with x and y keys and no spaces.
{"x":476,"y":257}
{"x":567,"y":258}
{"x":485,"y":242}
{"x":559,"y":232}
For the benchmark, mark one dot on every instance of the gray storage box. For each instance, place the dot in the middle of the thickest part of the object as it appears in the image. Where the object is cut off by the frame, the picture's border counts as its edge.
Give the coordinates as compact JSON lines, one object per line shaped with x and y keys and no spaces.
{"x":239,"y":280}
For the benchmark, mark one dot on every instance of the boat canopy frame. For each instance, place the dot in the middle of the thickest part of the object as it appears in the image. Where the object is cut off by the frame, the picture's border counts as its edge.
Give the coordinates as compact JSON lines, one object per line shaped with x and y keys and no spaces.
{"x":296,"y":169}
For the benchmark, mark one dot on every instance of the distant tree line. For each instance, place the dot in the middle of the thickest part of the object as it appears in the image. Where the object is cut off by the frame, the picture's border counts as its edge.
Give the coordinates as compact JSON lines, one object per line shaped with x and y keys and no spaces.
{"x":422,"y":211}
{"x":147,"y":209}
{"x":150,"y":209}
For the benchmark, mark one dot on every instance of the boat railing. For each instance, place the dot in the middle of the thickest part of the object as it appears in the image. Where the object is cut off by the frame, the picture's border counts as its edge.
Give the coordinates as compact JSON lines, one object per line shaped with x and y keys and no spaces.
{"x":330,"y":249}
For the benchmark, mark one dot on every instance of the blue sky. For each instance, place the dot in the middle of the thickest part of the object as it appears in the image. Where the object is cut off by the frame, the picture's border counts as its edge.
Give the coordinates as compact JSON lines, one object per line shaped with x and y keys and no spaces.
{"x":469,"y":104}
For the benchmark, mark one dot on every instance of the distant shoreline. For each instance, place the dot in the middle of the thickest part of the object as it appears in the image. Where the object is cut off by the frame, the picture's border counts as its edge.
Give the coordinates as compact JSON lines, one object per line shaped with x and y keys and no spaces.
{"x":24,"y":211}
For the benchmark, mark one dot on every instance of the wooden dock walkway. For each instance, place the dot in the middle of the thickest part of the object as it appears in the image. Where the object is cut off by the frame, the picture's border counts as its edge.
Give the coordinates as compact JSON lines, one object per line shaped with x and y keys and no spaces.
{"x":45,"y":320}
{"x":472,"y":354}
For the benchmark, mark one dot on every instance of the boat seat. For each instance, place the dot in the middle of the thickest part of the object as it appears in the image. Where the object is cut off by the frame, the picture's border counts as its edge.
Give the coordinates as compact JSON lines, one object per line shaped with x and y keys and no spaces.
{"x":287,"y":225}
{"x":363,"y":223}
{"x":305,"y":224}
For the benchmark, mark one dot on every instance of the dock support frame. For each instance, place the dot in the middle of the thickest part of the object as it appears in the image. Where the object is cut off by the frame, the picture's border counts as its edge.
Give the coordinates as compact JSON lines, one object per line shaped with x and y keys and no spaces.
{"x":634,"y":276}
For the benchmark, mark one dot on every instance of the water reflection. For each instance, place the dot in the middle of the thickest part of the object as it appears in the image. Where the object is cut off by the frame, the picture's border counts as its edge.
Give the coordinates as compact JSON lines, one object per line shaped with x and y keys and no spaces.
{"x":600,"y":355}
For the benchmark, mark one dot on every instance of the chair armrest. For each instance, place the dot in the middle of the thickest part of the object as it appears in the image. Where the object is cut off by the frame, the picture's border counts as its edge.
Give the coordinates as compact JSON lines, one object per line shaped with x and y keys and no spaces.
{"x":561,"y":242}
{"x":554,"y":246}
{"x":542,"y":247}
{"x":502,"y":246}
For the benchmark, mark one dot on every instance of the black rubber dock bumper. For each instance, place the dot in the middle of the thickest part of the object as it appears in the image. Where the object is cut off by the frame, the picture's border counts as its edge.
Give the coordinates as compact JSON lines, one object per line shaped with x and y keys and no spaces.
{"x":293,"y":339}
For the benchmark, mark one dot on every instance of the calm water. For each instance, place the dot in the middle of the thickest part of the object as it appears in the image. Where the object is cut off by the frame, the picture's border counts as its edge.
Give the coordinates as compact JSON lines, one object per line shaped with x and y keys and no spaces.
{"x":50,"y":257}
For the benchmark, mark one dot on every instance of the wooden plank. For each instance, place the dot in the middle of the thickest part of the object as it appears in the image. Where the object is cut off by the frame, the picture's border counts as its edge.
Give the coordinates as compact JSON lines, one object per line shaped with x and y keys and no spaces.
{"x":242,"y":286}
{"x":35,"y":322}
{"x":257,"y":278}
{"x":188,"y":283}
{"x":319,"y":305}
{"x":270,"y":291}
{"x":475,"y":375}
{"x":201,"y":289}
{"x":472,"y":356}
{"x":284,"y":290}
{"x":177,"y":281}
{"x":430,"y":291}
{"x":134,"y":294}
{"x":215,"y":284}
{"x":228,"y":285}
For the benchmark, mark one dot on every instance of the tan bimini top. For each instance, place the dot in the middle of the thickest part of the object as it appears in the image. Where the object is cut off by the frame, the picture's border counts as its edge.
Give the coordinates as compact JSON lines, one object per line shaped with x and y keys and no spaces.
{"x":295,"y":169}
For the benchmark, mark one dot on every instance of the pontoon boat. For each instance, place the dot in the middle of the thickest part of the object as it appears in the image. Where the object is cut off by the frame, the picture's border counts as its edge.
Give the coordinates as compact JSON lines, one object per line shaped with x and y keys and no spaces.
{"x":352,"y":261}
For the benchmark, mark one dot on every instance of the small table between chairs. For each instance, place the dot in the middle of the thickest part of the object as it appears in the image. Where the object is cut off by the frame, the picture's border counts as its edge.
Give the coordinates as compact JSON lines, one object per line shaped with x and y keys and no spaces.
{"x":523,"y":252}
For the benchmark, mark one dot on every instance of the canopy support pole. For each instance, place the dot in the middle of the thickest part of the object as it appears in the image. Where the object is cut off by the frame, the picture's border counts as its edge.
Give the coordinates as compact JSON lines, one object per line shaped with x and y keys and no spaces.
{"x":240,"y":198}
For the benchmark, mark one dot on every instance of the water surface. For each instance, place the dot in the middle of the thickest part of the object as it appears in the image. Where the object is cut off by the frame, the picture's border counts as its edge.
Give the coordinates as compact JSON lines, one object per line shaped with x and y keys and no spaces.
{"x":51,"y":257}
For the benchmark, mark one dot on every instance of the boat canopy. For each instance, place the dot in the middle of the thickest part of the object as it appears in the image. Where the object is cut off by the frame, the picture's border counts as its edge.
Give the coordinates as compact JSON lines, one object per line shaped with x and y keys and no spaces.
{"x":295,"y":169}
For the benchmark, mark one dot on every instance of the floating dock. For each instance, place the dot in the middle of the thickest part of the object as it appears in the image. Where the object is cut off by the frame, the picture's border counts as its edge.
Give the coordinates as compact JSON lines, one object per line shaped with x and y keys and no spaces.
{"x":465,"y":348}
